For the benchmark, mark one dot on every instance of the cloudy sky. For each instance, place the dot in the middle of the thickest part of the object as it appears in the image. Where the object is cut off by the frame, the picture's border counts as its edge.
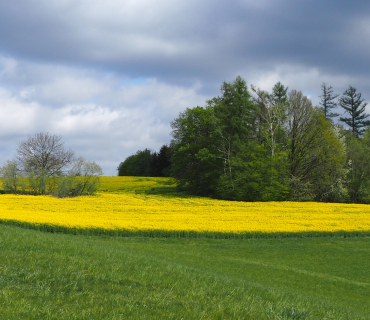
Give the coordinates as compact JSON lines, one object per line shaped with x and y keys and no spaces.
{"x":109,"y":76}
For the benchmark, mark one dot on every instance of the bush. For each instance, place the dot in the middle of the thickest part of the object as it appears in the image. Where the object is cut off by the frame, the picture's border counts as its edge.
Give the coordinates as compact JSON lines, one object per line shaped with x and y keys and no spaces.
{"x":12,"y":178}
{"x":82,"y":179}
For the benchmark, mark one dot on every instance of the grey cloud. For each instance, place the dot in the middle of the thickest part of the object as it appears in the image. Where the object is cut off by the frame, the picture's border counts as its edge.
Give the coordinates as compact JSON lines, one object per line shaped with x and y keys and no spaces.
{"x":122,"y":119}
{"x":184,"y":40}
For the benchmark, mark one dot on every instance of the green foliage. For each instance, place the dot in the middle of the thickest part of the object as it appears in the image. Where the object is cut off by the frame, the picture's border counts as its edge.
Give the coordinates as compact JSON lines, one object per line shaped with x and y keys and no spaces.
{"x":146,"y":163}
{"x":82,"y":179}
{"x":161,"y":162}
{"x":40,"y":168}
{"x":328,"y":102}
{"x":206,"y":141}
{"x":316,"y":155}
{"x":273,"y":140}
{"x":194,"y":162}
{"x":235,"y":111}
{"x":279,"y":94}
{"x":275,"y":146}
{"x":354,"y":105}
{"x":358,"y":173}
{"x":10,"y":176}
{"x":137,"y":164}
{"x":330,"y":178}
{"x":40,"y":182}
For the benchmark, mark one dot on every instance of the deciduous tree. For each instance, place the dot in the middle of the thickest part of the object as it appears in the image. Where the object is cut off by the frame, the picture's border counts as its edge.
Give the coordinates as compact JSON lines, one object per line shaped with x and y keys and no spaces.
{"x":42,"y":157}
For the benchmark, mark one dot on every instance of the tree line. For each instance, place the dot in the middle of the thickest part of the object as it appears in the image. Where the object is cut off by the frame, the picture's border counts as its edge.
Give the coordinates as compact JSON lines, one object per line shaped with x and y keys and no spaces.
{"x":252,"y":145}
{"x":147,"y":163}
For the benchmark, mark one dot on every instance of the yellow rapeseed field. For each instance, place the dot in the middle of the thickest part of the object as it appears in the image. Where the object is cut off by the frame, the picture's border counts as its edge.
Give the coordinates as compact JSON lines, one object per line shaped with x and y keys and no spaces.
{"x":124,"y":205}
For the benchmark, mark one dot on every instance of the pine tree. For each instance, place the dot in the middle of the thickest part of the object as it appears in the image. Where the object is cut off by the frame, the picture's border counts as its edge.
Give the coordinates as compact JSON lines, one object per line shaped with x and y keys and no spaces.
{"x":354,"y":105}
{"x":279,"y":93}
{"x":328,"y":102}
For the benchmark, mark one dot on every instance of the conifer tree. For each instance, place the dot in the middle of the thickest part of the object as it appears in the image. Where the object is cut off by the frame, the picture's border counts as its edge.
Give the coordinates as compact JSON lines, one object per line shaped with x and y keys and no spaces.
{"x":328,"y":102}
{"x":354,"y":105}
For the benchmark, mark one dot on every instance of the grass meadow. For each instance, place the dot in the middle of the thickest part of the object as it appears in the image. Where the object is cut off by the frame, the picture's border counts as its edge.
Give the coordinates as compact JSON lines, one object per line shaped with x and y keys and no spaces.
{"x":79,"y":271}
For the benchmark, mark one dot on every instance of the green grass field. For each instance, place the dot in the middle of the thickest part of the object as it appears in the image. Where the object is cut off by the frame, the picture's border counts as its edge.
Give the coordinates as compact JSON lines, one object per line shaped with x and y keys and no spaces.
{"x":61,"y":276}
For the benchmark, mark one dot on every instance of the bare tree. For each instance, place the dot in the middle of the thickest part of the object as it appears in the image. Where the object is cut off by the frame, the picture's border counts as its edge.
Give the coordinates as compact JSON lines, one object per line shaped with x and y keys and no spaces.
{"x":42,"y":157}
{"x":43,"y":153}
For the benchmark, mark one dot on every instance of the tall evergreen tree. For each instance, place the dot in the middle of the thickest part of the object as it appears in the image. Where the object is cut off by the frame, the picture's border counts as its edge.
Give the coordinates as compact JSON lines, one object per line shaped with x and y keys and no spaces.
{"x":354,"y":105}
{"x":328,"y":102}
{"x":236,"y":116}
{"x":279,"y":93}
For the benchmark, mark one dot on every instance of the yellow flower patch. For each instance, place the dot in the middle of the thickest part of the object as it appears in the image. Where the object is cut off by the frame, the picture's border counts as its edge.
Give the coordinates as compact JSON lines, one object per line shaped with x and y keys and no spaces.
{"x":130,"y":211}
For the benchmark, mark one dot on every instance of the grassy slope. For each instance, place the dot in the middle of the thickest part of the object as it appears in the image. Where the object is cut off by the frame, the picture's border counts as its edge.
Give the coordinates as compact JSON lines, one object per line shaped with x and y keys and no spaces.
{"x":58,"y":276}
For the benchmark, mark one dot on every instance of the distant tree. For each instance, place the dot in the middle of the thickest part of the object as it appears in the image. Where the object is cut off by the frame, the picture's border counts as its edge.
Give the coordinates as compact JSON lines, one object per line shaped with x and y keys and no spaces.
{"x":235,"y":116}
{"x":146,"y":163}
{"x":354,"y":105}
{"x":44,"y":166}
{"x":161,"y":162}
{"x":138,"y":164}
{"x":44,"y":152}
{"x":315,"y":153}
{"x":279,"y":94}
{"x":42,"y":157}
{"x":82,"y":179}
{"x":10,"y":174}
{"x":328,"y":102}
{"x":195,"y":143}
{"x":273,"y":116}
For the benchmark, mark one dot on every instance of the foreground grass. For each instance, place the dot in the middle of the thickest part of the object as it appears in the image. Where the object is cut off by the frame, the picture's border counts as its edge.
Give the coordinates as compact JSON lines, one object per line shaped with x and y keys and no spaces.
{"x":59,"y":276}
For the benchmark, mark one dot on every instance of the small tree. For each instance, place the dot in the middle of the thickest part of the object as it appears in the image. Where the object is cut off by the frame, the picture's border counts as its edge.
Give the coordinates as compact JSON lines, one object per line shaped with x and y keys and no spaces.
{"x":354,"y":105}
{"x":328,"y":102}
{"x":43,"y":156}
{"x":10,"y":174}
{"x":82,"y":179}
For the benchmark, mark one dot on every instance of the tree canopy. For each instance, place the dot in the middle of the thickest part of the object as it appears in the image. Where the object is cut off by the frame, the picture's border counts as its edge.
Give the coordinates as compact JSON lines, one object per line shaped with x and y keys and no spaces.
{"x":147,"y":163}
{"x":254,"y":145}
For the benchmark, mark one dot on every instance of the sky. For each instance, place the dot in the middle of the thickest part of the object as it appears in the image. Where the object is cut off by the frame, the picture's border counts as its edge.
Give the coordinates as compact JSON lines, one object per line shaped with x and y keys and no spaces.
{"x":109,"y":76}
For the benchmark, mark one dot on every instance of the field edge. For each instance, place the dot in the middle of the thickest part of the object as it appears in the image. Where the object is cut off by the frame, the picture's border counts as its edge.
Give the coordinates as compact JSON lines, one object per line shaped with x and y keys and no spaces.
{"x":158,"y":233}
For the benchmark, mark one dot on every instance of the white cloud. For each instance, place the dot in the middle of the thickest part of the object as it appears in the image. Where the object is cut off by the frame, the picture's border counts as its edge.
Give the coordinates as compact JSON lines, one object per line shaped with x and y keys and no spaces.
{"x":17,"y":118}
{"x":102,"y":117}
{"x":301,"y":78}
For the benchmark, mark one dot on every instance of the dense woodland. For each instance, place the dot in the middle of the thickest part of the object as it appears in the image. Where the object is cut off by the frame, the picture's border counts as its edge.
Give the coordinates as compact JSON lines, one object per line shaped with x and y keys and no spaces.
{"x":252,"y":145}
{"x":147,"y":163}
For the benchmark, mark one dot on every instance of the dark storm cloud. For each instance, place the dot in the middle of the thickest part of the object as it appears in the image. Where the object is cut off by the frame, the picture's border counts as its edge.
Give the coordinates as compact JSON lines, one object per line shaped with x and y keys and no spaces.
{"x":185,"y":40}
